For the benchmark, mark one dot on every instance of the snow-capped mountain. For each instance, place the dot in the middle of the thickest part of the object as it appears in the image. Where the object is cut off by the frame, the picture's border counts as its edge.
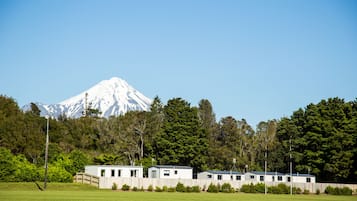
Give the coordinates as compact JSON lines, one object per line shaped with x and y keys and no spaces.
{"x":111,"y":97}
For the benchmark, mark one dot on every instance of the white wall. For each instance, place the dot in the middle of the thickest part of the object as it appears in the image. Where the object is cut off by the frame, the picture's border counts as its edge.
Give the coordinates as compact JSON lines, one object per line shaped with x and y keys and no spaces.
{"x":125,"y":171}
{"x":107,"y":183}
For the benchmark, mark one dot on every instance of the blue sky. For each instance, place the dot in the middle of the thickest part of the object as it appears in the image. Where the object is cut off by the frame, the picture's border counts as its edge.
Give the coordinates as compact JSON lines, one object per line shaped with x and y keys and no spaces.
{"x":256,"y":59}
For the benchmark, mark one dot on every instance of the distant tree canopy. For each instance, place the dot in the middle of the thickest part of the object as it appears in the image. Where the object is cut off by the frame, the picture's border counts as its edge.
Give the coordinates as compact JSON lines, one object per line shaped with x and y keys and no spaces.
{"x":323,"y":140}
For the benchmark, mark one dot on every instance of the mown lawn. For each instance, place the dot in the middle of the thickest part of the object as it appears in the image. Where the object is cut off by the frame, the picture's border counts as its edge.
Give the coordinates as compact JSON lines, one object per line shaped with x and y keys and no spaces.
{"x":76,"y":192}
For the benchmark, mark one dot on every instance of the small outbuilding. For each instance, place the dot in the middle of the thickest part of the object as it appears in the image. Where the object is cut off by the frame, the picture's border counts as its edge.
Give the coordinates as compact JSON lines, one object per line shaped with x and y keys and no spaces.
{"x":114,"y":171}
{"x":170,"y":172}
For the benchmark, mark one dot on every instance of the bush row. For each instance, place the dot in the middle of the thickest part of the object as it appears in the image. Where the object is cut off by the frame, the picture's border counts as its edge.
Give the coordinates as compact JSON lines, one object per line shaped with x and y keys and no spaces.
{"x":279,"y":189}
{"x":338,"y":191}
{"x":246,"y":188}
{"x":179,"y":188}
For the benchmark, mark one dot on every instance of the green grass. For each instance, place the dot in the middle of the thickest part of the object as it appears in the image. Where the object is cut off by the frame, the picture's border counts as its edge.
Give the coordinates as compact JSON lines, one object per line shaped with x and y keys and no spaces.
{"x":31,"y":186}
{"x":78,"y":192}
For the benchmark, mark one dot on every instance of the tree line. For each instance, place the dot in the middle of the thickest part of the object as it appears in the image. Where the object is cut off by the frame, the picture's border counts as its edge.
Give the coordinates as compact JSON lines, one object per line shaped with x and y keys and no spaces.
{"x":322,"y":138}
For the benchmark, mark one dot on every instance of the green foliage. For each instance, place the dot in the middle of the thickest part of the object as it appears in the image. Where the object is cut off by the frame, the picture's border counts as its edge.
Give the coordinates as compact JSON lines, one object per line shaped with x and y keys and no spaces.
{"x":318,"y":192}
{"x":125,"y":187}
{"x":248,"y":188}
{"x":196,"y":189}
{"x":171,"y":189}
{"x":227,"y":188}
{"x":150,"y":188}
{"x":164,"y":189}
{"x":158,"y":189}
{"x":260,"y":188}
{"x":7,"y":165}
{"x":135,"y":189}
{"x":279,"y":189}
{"x":213,"y":188}
{"x":324,"y":139}
{"x":338,"y":191}
{"x":182,"y":141}
{"x":180,"y":187}
{"x":114,"y":186}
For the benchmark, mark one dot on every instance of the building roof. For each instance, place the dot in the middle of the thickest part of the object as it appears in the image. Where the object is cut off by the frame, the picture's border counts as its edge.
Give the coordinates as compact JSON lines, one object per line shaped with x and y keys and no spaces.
{"x":113,"y":166}
{"x":301,"y":175}
{"x":267,"y":173}
{"x":222,"y":172}
{"x":171,"y":167}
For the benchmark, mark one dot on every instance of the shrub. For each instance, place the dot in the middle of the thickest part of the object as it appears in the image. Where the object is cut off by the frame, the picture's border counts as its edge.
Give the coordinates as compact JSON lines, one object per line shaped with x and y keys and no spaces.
{"x":188,"y":189}
{"x":306,"y":191}
{"x":227,"y":188}
{"x":150,"y":188}
{"x":212,"y":188}
{"x":180,"y":187}
{"x":296,"y":190}
{"x":171,"y":189}
{"x":135,"y":189}
{"x":164,"y":189}
{"x":196,"y":189}
{"x":345,"y":191}
{"x":248,"y":188}
{"x":158,"y":189}
{"x":259,"y":188}
{"x":330,"y":190}
{"x":125,"y":187}
{"x":318,"y":192}
{"x":338,"y":191}
{"x":284,"y":188}
{"x":114,"y":186}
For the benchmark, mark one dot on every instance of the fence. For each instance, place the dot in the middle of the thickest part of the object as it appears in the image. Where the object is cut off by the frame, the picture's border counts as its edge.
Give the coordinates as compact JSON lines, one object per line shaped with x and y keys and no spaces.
{"x":86,"y":179}
{"x":107,"y":183}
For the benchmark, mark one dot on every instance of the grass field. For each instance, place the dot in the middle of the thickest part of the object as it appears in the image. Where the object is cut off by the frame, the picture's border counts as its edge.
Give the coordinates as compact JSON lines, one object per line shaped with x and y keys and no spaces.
{"x":76,"y":192}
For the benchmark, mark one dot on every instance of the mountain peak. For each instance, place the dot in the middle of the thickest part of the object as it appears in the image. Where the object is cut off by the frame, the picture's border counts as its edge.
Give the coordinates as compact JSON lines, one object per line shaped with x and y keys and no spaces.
{"x":111,"y":97}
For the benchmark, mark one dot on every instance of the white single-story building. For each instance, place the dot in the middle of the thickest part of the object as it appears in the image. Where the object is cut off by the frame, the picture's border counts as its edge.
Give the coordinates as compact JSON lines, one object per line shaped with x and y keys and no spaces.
{"x":114,"y":171}
{"x":170,"y":172}
{"x":302,"y":178}
{"x":221,"y":175}
{"x":256,"y":176}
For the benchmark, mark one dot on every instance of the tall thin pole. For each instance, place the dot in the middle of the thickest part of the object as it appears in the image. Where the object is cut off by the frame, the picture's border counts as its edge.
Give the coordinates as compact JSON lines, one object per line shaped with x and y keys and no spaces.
{"x":291,"y":170}
{"x":265,"y":172}
{"x":46,"y":154}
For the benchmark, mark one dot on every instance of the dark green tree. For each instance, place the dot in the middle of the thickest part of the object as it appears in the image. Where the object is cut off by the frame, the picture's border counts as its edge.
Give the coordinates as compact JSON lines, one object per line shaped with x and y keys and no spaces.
{"x":183,"y":141}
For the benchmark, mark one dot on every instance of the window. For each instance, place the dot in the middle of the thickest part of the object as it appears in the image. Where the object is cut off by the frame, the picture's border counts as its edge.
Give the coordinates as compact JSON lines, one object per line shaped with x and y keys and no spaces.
{"x":219,"y":177}
{"x":308,"y":180}
{"x":119,"y":173}
{"x":175,"y":171}
{"x":289,"y":179}
{"x":261,"y":178}
{"x":280,"y":178}
{"x":166,"y":173}
{"x":251,"y":176}
{"x":133,"y":173}
{"x":102,"y":172}
{"x":113,"y":173}
{"x":209,"y":176}
{"x":153,"y":174}
{"x":231,"y":177}
{"x":238,"y":178}
{"x":273,"y":178}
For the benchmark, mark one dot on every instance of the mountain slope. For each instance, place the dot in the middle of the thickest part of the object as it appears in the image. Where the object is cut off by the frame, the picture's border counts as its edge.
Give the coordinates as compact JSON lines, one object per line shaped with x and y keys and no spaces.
{"x":111,"y":97}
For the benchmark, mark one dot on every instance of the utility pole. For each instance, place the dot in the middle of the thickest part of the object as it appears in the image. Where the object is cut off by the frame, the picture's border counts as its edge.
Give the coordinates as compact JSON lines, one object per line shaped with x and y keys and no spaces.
{"x":46,"y":154}
{"x":291,"y":170}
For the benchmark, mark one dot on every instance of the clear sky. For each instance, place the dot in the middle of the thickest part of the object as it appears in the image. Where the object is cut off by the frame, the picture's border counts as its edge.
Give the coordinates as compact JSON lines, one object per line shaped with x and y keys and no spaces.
{"x":253,"y":59}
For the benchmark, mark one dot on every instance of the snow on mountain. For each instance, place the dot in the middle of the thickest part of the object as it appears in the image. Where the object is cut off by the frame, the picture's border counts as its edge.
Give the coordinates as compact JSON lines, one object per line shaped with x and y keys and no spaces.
{"x":111,"y":97}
